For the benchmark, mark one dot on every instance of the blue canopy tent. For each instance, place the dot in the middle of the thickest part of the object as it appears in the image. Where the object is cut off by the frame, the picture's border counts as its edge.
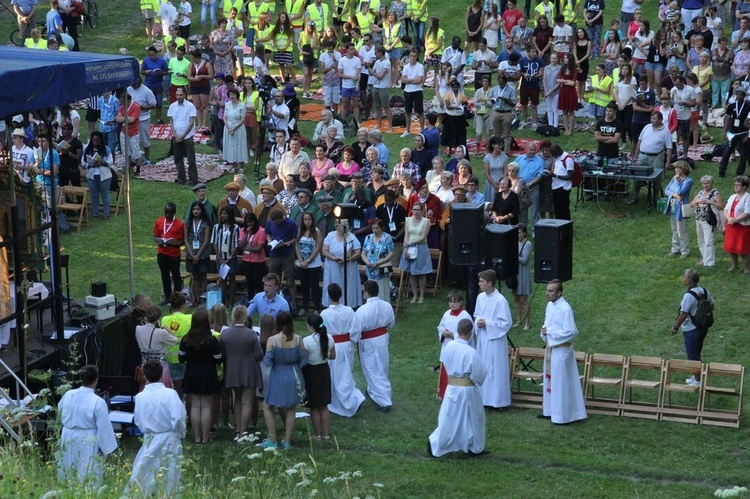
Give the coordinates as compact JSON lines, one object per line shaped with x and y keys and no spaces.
{"x":38,"y":80}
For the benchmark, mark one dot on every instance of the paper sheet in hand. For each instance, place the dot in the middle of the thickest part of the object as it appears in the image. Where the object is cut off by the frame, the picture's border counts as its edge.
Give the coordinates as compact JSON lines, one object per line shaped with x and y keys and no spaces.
{"x":274,"y":243}
{"x":224,"y":270}
{"x":121,"y":417}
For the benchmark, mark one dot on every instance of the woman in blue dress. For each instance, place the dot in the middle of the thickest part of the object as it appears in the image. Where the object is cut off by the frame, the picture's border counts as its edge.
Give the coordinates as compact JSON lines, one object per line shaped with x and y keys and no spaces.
{"x":285,"y":355}
{"x":337,"y":263}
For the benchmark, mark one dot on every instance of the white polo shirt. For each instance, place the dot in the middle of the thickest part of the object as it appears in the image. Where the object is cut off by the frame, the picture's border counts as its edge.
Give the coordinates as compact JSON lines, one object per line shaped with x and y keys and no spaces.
{"x":413,"y":71}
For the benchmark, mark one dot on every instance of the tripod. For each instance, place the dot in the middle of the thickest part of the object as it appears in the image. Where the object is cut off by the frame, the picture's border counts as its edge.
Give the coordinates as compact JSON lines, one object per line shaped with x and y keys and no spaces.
{"x":262,"y":137}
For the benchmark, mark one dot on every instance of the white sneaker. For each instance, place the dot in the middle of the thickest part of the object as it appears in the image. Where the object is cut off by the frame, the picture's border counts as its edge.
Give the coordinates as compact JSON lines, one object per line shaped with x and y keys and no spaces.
{"x":251,"y":153}
{"x":405,"y":134}
{"x":692,"y":381}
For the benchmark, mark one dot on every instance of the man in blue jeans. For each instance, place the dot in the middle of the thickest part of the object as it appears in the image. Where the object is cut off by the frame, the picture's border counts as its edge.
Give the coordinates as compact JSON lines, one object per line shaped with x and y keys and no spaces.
{"x":692,"y":334}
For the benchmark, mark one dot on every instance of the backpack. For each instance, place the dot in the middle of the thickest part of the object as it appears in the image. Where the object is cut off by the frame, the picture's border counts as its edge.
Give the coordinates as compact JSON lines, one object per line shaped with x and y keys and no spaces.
{"x":577,"y":172}
{"x":547,"y":131}
{"x":704,"y":314}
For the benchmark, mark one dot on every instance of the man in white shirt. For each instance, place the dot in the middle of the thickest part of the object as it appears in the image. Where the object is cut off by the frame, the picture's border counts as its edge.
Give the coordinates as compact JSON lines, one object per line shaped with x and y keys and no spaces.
{"x":367,"y":57}
{"x":456,"y":56}
{"x":562,"y":37}
{"x":23,"y":155}
{"x":292,"y":159}
{"x":144,"y":97}
{"x":683,"y":97}
{"x":380,"y":75}
{"x":340,"y":321}
{"x":562,"y":181}
{"x":86,"y":432}
{"x":412,"y":77}
{"x":373,"y":319}
{"x":183,"y":114}
{"x":279,"y":113}
{"x":326,"y":120}
{"x":349,"y":69}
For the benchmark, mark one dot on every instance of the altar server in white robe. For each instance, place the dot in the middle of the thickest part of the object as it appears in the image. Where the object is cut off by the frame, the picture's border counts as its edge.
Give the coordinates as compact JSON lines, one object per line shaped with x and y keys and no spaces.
{"x":493,"y":320}
{"x":562,"y":398}
{"x":373,"y":319}
{"x":86,"y":431}
{"x":160,"y":415}
{"x":461,"y":419}
{"x":448,"y":330}
{"x":340,"y":322}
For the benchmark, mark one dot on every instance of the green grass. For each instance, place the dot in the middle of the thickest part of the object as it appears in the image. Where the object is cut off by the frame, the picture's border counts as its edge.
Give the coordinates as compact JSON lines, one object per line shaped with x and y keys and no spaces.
{"x":625,"y":294}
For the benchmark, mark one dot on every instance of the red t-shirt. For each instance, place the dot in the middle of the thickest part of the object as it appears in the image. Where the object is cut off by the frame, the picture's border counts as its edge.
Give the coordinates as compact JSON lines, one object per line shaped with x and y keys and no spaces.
{"x":510,"y":19}
{"x":169,"y":230}
{"x":134,"y":111}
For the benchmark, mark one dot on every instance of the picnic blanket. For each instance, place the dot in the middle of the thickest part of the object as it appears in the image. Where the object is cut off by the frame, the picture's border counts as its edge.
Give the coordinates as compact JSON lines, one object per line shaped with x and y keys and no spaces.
{"x":210,"y":167}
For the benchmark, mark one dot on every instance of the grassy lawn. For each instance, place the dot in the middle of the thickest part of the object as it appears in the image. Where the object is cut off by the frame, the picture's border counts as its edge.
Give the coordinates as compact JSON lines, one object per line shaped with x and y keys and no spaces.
{"x":625,"y":294}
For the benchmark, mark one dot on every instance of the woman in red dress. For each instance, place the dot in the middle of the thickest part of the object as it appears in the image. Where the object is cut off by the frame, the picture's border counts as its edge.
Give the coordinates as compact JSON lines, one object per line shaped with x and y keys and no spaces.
{"x":737,"y":235}
{"x":568,"y":101}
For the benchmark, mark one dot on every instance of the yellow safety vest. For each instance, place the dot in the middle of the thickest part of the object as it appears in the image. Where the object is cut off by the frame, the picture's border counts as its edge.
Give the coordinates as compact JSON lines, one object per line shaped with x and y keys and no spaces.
{"x":434,"y":43}
{"x":255,"y":100}
{"x":293,"y":7}
{"x":271,"y":7}
{"x":178,"y":324}
{"x":569,"y":11}
{"x":228,"y":4}
{"x":41,"y":44}
{"x":390,"y":34}
{"x":364,"y":20}
{"x":599,"y":97}
{"x":254,"y":12}
{"x":314,"y":15}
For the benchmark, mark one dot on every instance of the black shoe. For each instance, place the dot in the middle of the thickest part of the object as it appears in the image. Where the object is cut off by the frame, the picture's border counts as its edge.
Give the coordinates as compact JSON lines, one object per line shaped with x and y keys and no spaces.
{"x":477,"y":454}
{"x":385,"y":409}
{"x":542,"y":416}
{"x":429,"y":449}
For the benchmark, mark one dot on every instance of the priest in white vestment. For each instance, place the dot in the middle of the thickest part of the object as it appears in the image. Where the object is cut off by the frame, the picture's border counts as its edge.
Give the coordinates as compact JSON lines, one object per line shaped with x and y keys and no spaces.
{"x":461,"y":424}
{"x":562,"y":398}
{"x":86,"y":431}
{"x":373,"y":319}
{"x":340,"y":322}
{"x":493,"y":320}
{"x":160,"y":415}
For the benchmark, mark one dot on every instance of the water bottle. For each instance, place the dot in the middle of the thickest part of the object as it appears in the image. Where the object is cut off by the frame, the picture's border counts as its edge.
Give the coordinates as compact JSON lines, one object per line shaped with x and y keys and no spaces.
{"x":605,"y":162}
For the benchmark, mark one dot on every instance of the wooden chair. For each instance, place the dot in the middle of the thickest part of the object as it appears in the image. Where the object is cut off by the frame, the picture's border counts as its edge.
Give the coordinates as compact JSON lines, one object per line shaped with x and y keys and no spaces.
{"x":117,"y":197}
{"x":398,"y":276}
{"x":674,"y":382}
{"x":606,"y":371}
{"x":722,"y":380}
{"x":74,"y":200}
{"x":527,"y":378}
{"x":436,"y":255}
{"x":643,"y":373}
{"x":582,"y":359}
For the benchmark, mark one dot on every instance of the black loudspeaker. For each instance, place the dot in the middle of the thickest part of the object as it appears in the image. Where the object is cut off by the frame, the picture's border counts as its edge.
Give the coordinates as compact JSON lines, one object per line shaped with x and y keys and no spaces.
{"x":553,"y":250}
{"x":98,"y":289}
{"x":466,"y":235}
{"x":502,"y":250}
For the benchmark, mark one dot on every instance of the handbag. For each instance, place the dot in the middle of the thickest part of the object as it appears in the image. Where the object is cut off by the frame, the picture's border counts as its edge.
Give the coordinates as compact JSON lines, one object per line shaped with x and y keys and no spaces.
{"x":711,"y":217}
{"x":411,"y":253}
{"x":687,"y":211}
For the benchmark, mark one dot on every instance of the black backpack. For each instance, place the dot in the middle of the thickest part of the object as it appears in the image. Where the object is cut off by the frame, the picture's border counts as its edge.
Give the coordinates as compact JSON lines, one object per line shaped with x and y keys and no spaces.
{"x":704,"y":314}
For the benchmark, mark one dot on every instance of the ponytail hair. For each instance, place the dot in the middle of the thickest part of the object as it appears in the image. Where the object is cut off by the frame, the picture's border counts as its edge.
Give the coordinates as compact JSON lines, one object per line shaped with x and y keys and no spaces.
{"x":315,"y":321}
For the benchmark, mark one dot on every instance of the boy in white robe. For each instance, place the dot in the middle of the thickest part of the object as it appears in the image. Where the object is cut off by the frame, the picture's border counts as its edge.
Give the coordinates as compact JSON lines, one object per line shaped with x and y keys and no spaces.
{"x":493,"y":320}
{"x":461,"y":423}
{"x":86,"y":431}
{"x":562,"y":398}
{"x":340,"y":322}
{"x":160,"y":415}
{"x":373,"y":320}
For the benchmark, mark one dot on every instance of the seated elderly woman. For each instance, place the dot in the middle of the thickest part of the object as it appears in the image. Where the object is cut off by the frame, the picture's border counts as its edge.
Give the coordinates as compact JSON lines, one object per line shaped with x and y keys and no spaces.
{"x":445,"y":190}
{"x":433,"y":175}
{"x":370,"y":161}
{"x":332,"y":147}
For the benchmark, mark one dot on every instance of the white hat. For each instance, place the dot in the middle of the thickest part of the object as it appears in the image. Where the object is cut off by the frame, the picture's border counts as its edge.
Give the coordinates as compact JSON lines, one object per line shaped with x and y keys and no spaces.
{"x":18,"y":118}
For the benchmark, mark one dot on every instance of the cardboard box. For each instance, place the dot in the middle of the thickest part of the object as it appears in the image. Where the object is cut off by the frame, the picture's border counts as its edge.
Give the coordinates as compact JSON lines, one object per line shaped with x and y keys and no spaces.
{"x":102,"y":307}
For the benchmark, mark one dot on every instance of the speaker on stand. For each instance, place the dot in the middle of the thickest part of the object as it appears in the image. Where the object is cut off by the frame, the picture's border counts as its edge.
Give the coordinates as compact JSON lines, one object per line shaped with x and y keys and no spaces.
{"x":553,"y":250}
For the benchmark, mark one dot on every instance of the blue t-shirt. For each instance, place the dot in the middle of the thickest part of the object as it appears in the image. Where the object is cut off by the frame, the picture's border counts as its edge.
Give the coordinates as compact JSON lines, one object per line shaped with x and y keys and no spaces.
{"x":505,"y":55}
{"x":531,"y":67}
{"x":432,"y":140}
{"x":649,"y":98}
{"x":53,"y":21}
{"x":153,"y":79}
{"x":44,"y":166}
{"x":284,"y":231}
